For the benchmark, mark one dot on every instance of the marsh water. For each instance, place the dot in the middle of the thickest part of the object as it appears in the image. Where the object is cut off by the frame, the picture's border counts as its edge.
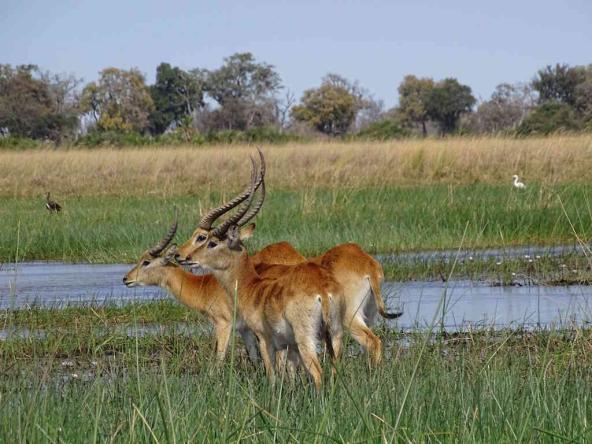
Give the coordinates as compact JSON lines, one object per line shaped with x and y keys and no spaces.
{"x":55,"y":284}
{"x":454,"y":305}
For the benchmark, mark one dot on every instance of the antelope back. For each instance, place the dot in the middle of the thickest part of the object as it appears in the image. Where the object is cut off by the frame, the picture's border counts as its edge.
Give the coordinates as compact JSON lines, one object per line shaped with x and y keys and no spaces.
{"x":278,"y":253}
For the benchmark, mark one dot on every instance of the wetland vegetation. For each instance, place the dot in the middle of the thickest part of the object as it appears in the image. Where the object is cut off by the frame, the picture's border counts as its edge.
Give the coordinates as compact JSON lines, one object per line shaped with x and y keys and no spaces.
{"x":80,"y":379}
{"x":145,"y":372}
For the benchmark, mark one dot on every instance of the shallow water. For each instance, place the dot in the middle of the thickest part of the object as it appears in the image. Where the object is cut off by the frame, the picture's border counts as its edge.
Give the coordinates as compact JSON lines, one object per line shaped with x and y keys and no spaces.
{"x":462,"y":305}
{"x":456,"y":305}
{"x":54,"y":284}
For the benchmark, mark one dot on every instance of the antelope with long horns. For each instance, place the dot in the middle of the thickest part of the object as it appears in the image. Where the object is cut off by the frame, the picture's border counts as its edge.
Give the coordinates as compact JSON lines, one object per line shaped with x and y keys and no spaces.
{"x":289,"y":312}
{"x":358,"y":273}
{"x":158,"y":267}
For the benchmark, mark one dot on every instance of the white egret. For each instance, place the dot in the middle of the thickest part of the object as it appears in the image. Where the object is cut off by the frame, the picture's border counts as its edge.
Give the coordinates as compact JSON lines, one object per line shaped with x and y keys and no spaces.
{"x":517,"y":183}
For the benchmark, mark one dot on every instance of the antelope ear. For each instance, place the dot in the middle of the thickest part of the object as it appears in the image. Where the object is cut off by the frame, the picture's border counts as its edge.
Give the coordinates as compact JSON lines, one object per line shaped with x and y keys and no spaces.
{"x":247,"y":232}
{"x":234,"y":238}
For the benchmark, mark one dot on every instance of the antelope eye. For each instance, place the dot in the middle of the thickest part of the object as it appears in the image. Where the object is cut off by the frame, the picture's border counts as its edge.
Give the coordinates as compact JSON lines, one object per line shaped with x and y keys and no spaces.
{"x":200,"y":238}
{"x":212,"y":244}
{"x":145,"y":263}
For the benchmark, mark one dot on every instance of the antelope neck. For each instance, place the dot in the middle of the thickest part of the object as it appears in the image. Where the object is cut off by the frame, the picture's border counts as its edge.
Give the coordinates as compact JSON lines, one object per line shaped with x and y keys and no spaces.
{"x":240,"y":275}
{"x":184,"y":285}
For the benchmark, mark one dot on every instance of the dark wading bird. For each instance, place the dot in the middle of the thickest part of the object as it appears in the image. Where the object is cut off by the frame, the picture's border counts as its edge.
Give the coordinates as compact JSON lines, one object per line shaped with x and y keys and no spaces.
{"x":52,"y":206}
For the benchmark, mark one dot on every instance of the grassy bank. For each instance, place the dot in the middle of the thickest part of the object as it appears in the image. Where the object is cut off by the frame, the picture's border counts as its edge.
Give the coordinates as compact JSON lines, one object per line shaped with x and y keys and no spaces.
{"x":565,"y":269}
{"x":381,"y":219}
{"x":80,"y":380}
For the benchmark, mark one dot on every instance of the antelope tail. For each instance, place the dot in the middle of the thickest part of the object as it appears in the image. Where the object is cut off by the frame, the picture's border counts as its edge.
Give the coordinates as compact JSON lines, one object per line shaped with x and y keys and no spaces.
{"x":375,"y":288}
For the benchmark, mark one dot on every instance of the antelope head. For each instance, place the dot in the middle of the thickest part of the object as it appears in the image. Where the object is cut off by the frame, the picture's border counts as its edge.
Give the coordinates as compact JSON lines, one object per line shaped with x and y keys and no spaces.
{"x":205,"y":228}
{"x":222,"y":245}
{"x":148,"y":270}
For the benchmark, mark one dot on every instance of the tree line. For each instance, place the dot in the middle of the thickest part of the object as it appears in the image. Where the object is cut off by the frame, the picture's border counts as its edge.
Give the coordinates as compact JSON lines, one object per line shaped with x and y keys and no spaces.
{"x":244,"y":100}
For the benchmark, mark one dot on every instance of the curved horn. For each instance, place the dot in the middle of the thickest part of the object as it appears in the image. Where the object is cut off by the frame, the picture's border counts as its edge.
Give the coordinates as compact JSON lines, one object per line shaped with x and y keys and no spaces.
{"x":221,"y":229}
{"x":256,"y":207}
{"x":206,"y":222}
{"x":155,"y":251}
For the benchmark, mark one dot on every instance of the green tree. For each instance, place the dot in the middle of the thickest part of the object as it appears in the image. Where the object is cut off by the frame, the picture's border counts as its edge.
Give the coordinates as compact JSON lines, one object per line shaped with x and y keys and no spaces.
{"x":566,"y":85}
{"x":447,"y":101}
{"x":176,"y":94}
{"x":37,"y":105}
{"x":550,"y":117}
{"x":119,"y":101}
{"x":245,"y":92}
{"x":583,"y":95}
{"x":413,"y":96}
{"x":330,"y":108}
{"x":558,"y":83}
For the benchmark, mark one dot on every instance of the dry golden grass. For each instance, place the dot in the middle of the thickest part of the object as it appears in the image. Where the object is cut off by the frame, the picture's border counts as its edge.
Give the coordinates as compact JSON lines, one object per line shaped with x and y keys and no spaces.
{"x":168,"y":171}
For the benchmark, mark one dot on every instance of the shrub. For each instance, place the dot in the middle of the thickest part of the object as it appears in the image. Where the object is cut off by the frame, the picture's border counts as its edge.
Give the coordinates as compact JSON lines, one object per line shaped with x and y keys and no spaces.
{"x":268,"y":134}
{"x":265,"y":134}
{"x":18,"y":143}
{"x":113,"y":138}
{"x":180,"y":137}
{"x":224,"y":137}
{"x":383,"y":130}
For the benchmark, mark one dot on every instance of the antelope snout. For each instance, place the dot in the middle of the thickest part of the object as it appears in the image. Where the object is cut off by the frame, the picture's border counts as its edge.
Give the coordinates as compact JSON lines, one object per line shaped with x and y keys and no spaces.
{"x":183,"y":260}
{"x":129,"y":282}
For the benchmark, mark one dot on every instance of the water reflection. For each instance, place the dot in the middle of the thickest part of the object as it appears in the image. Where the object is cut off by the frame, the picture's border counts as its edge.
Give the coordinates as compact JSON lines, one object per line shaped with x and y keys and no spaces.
{"x":461,"y":305}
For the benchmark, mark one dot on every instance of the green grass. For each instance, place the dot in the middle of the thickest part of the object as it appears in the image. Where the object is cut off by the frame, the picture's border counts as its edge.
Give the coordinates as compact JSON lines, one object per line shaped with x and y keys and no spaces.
{"x":542,"y":270}
{"x":393,"y":219}
{"x":86,"y":384}
{"x":84,"y":318}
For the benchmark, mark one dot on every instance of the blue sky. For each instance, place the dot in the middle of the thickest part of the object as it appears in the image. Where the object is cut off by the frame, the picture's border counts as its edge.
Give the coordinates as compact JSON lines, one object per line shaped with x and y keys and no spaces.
{"x":376,"y":42}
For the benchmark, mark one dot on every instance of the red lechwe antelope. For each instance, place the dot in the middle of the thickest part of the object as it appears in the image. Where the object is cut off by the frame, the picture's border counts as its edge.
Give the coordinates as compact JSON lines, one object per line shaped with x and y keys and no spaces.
{"x":202,"y":293}
{"x":289,"y":312}
{"x":360,"y":276}
{"x":358,"y":273}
